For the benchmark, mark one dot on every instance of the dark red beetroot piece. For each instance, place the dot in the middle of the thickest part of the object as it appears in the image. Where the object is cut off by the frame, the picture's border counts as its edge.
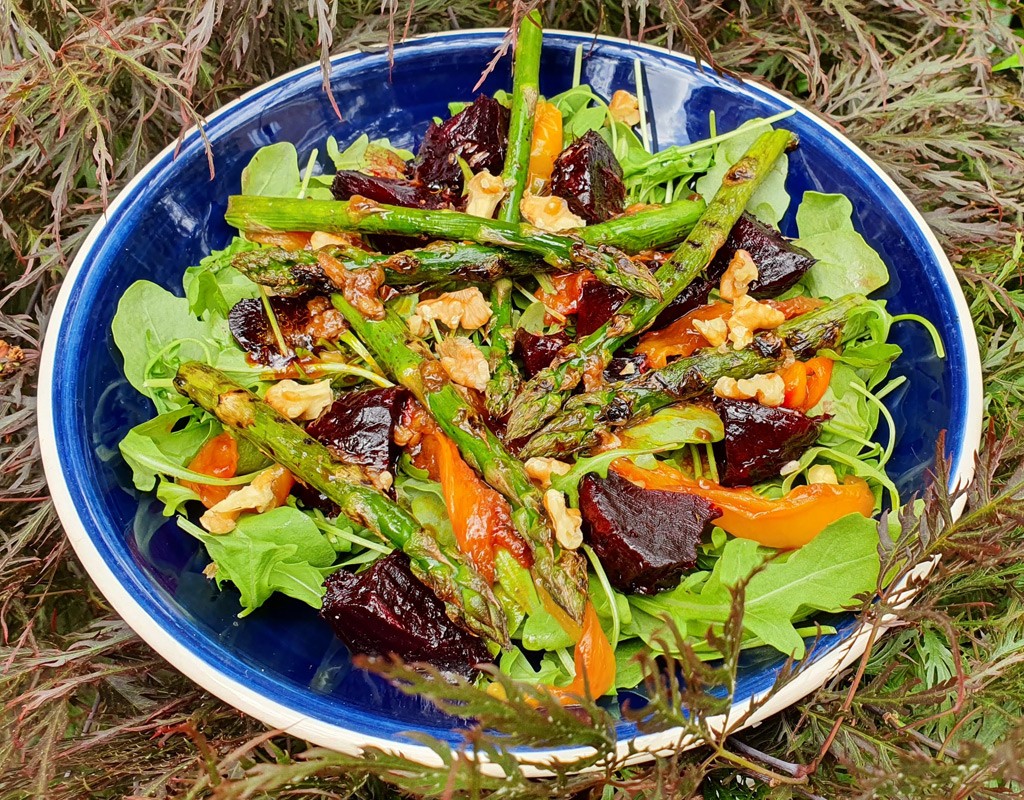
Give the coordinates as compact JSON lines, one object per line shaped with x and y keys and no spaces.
{"x":598,"y":302}
{"x":478,"y":135}
{"x":759,"y":440}
{"x":385,"y":610}
{"x":589,"y":177}
{"x":304,"y":320}
{"x":645,"y":538}
{"x":357,"y":427}
{"x":622,"y":368}
{"x":693,"y":296}
{"x":350,"y":183}
{"x":780,"y":263}
{"x":537,"y":352}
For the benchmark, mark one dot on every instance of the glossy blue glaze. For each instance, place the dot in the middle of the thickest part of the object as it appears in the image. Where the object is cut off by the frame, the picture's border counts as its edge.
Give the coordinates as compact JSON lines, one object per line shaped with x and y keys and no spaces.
{"x":174,"y":217}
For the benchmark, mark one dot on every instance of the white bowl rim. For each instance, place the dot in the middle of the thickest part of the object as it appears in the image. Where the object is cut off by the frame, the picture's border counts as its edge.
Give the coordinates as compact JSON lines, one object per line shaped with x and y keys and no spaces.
{"x":280,"y":716}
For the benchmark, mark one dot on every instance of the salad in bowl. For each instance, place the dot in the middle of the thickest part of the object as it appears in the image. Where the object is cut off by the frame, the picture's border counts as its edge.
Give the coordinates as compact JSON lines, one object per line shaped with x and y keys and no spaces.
{"x":516,"y":400}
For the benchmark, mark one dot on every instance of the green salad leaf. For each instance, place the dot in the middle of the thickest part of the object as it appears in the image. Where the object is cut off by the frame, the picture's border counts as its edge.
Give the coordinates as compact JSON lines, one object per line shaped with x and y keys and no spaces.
{"x":273,"y":171}
{"x":770,"y":200}
{"x":214,"y":286}
{"x":840,"y":563}
{"x":151,"y":323}
{"x":846,"y":263}
{"x":277,"y":551}
{"x":163,"y":445}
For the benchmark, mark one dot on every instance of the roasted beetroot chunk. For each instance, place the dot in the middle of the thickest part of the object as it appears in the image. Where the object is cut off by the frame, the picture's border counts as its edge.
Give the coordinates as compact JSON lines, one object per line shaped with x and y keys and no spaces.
{"x":598,"y":302}
{"x":589,"y":177}
{"x":759,"y":440}
{"x":387,"y":611}
{"x":357,"y":428}
{"x":780,"y":264}
{"x":537,"y":352}
{"x":645,"y":538}
{"x":478,"y":134}
{"x":693,"y":296}
{"x":349,"y":183}
{"x":304,"y":320}
{"x":622,"y":368}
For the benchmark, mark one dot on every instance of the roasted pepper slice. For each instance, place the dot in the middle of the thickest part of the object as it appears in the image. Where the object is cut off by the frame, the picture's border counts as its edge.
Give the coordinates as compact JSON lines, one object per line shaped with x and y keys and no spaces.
{"x":218,"y":458}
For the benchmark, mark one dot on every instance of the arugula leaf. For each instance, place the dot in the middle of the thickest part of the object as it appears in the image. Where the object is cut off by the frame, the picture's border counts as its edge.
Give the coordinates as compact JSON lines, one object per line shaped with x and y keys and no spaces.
{"x":280,"y":550}
{"x":173,"y":496}
{"x":826,"y":574}
{"x":770,"y":201}
{"x":541,"y":631}
{"x":846,"y":263}
{"x":148,"y":322}
{"x":358,"y":154}
{"x":517,"y":666}
{"x":273,"y":171}
{"x":214,"y":286}
{"x":156,"y":331}
{"x":156,"y":448}
{"x":673,"y":427}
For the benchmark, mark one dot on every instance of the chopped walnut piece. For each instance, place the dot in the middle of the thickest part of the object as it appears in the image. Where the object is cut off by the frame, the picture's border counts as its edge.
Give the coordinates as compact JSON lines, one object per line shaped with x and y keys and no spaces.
{"x":549,"y":213}
{"x":359,"y":286}
{"x":769,"y":390}
{"x":483,"y":193}
{"x":738,"y":276}
{"x":464,"y":362}
{"x":257,"y":496}
{"x":302,"y":401}
{"x":320,"y":239}
{"x":465,"y":309}
{"x":748,"y":316}
{"x":568,"y":522}
{"x":822,"y":473}
{"x":714,"y":330}
{"x":325,"y":321}
{"x":541,"y":468}
{"x":625,"y":108}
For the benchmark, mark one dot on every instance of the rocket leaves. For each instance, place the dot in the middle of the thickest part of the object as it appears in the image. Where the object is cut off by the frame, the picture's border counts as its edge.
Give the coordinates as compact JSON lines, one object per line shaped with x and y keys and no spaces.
{"x":277,"y":551}
{"x":841,"y":563}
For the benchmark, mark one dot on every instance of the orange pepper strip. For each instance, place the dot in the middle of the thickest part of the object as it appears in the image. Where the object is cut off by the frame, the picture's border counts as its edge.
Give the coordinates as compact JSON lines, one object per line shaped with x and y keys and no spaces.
{"x":281,"y":486}
{"x":217,"y":458}
{"x":795,"y":378}
{"x":546,"y":145}
{"x":480,"y":517}
{"x":796,"y":306}
{"x":680,"y":338}
{"x":819,"y":374}
{"x":286,"y":240}
{"x":594,"y":660}
{"x":785,"y":524}
{"x":568,"y":290}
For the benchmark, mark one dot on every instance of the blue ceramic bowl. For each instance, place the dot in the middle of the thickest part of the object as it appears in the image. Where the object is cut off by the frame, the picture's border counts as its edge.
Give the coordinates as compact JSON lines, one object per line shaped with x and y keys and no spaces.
{"x":282,"y":664}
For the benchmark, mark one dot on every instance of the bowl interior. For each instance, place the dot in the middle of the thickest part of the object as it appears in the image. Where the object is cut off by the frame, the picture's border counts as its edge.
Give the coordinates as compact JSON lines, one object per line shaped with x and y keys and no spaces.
{"x":173,"y":216}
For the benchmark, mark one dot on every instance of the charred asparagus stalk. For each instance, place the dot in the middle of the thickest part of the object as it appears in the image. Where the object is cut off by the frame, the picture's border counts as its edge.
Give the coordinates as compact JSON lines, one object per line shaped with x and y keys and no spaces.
{"x":467,"y":597}
{"x":525,"y":91}
{"x":584,"y":417}
{"x":364,"y":216}
{"x":293,"y":272}
{"x":505,"y":377}
{"x":543,"y":395}
{"x":561,"y":573}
